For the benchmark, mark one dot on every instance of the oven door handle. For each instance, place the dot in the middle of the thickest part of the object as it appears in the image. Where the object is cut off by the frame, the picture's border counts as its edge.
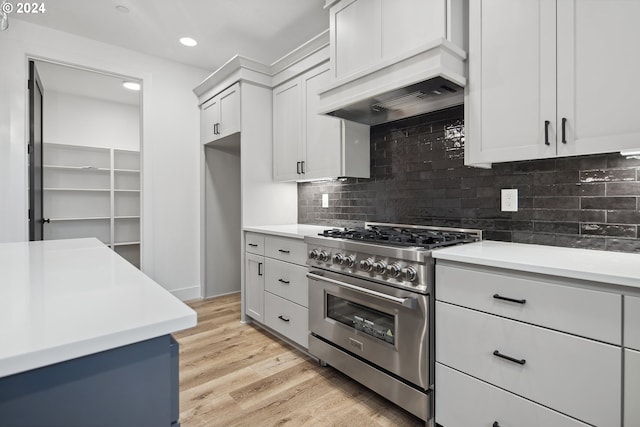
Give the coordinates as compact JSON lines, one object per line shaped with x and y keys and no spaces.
{"x":405,"y":302}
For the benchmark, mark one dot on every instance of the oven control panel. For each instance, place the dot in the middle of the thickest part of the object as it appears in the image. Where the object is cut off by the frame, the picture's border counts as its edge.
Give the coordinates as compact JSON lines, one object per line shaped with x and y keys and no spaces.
{"x":395,"y":272}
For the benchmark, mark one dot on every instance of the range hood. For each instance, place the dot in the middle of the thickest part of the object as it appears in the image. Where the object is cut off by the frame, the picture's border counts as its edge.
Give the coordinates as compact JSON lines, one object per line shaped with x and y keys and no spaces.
{"x":427,"y":79}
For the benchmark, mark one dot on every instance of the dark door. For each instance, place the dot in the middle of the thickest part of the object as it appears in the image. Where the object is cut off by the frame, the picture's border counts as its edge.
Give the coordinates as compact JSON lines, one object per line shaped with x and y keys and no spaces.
{"x":36,"y":220}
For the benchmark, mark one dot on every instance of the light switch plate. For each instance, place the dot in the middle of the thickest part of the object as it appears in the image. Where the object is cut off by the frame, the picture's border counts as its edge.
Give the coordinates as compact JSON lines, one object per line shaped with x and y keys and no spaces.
{"x":509,"y":199}
{"x":325,"y":200}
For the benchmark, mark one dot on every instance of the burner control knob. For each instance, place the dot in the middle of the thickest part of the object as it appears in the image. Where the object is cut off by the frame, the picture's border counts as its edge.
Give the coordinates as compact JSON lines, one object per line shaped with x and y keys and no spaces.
{"x":313,"y":254}
{"x":350,"y":261}
{"x":410,"y":274}
{"x":324,"y":256}
{"x":366,"y":264}
{"x":394,"y":270}
{"x":339,"y":259}
{"x":380,"y":267}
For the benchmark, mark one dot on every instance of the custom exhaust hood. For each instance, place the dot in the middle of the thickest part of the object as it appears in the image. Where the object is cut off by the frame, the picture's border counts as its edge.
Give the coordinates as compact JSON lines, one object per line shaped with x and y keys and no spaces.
{"x":429,"y":78}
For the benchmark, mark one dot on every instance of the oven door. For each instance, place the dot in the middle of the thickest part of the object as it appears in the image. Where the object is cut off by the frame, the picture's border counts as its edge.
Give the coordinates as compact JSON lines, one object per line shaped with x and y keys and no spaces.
{"x":386,"y":326}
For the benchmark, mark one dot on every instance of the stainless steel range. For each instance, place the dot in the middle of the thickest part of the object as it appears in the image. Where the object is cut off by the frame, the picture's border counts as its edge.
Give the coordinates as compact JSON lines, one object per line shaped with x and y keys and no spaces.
{"x":371,"y":306}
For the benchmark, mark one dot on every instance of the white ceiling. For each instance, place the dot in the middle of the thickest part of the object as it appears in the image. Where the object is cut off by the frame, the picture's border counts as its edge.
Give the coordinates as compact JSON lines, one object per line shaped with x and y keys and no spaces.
{"x":59,"y":78}
{"x":264,"y":30}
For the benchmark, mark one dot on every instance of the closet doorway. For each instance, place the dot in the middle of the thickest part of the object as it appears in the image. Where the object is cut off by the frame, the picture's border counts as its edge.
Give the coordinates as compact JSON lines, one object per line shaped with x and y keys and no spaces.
{"x":90,"y":162}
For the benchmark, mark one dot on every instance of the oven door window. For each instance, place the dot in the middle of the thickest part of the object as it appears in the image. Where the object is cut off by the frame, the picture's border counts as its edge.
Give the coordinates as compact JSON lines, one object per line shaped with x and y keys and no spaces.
{"x":367,"y":320}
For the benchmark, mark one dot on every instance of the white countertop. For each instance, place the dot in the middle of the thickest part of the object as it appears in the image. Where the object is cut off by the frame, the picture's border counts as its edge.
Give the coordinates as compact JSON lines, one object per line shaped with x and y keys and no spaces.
{"x":62,"y":299}
{"x":600,"y":266}
{"x":296,"y":231}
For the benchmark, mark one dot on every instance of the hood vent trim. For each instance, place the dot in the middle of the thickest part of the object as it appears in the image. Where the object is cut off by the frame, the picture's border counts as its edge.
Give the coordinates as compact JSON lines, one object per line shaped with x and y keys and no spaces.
{"x":428,"y":80}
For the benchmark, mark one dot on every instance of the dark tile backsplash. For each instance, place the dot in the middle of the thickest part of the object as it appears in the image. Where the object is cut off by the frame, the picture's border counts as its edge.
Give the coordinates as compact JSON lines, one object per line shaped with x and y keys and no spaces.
{"x":418,"y":177}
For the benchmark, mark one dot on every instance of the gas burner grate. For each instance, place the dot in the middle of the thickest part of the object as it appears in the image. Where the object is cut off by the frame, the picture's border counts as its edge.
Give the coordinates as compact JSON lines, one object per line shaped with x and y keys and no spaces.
{"x":399,"y":236}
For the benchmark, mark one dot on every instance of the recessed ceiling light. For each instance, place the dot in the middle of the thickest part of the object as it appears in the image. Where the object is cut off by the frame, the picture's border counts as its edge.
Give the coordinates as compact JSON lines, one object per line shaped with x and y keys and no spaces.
{"x":188,"y":41}
{"x":122,"y":9}
{"x":131,"y":85}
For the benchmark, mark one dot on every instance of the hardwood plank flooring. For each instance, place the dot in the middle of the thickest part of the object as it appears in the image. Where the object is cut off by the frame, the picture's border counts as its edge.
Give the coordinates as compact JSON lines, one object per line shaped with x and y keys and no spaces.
{"x":232,"y":374}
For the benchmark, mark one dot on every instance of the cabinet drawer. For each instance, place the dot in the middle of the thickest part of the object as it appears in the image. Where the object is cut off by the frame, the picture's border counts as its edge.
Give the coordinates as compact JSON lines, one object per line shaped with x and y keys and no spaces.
{"x":583,"y":312}
{"x":631,"y":388}
{"x":462,"y":400}
{"x":254,"y":243}
{"x":287,"y":280}
{"x":287,"y":318}
{"x":290,"y":250}
{"x":632,"y":322}
{"x":560,"y":371}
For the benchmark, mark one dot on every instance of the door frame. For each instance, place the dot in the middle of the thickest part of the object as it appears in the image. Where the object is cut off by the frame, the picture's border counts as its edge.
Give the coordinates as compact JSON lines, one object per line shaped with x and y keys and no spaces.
{"x":147,"y":265}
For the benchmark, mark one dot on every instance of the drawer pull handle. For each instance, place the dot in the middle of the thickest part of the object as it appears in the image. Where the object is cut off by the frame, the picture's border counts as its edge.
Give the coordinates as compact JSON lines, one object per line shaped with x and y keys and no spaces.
{"x":286,"y":282}
{"x":283,"y":318}
{"x":259,"y":269}
{"x":500,"y":297}
{"x":509,"y":358}
{"x":253,"y":245}
{"x":284,"y":251}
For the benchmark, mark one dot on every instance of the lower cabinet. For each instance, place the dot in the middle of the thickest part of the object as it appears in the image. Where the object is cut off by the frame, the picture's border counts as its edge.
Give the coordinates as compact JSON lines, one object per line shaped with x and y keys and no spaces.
{"x":554,"y":369}
{"x":132,"y":385}
{"x":467,"y":401}
{"x":631,"y":388}
{"x":510,"y":354}
{"x":254,"y":286}
{"x":275,"y":292}
{"x":287,"y":318}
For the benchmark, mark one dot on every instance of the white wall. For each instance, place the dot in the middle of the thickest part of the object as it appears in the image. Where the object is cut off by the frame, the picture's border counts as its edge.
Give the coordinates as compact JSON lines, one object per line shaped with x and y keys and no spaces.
{"x":170,"y":145}
{"x":80,"y":120}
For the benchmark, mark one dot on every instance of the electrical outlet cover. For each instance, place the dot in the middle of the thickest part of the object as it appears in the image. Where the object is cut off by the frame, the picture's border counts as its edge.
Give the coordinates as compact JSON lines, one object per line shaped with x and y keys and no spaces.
{"x":509,"y":199}
{"x":325,"y":200}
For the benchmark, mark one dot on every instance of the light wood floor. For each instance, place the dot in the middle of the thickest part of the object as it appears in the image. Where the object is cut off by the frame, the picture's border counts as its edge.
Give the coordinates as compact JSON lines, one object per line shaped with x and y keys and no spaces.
{"x":233,"y":374}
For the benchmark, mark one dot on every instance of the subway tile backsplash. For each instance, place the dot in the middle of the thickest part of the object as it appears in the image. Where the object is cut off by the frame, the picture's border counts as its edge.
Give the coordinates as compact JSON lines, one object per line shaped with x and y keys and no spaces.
{"x":418,"y":177}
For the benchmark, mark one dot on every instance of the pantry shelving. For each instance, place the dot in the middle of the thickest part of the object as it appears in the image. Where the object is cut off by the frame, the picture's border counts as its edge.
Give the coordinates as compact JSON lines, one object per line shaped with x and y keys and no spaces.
{"x":93,"y":192}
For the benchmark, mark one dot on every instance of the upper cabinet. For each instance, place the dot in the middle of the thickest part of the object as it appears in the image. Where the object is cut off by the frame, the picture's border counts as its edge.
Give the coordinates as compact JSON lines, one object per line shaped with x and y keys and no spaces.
{"x":365,"y":32}
{"x":220,"y":116}
{"x":310,"y":146}
{"x":392,"y":59}
{"x":543,"y":78}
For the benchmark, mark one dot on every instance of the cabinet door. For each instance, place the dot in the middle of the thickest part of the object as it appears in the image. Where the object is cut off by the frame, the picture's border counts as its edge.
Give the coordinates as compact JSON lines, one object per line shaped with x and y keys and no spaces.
{"x":631,"y":388}
{"x":322,"y":135}
{"x":511,"y":91}
{"x":209,"y":117}
{"x":407,"y":24}
{"x":254,"y":287}
{"x":354,"y":36}
{"x":632,"y":322}
{"x":229,"y":101}
{"x":598,"y":67}
{"x":287,"y":131}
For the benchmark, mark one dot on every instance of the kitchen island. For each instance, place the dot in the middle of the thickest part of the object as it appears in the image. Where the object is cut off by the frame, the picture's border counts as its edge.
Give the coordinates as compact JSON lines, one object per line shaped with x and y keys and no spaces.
{"x":85,"y":338}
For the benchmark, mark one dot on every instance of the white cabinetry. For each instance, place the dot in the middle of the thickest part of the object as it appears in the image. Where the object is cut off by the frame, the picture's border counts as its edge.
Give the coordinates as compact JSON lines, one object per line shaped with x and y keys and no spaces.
{"x":367,"y":32}
{"x":485,"y":405}
{"x":631,"y":361}
{"x":310,"y":146}
{"x":254,"y":277}
{"x":220,"y":116}
{"x":276,"y":285}
{"x":93,"y":192}
{"x":542,"y":78}
{"x":518,"y":342}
